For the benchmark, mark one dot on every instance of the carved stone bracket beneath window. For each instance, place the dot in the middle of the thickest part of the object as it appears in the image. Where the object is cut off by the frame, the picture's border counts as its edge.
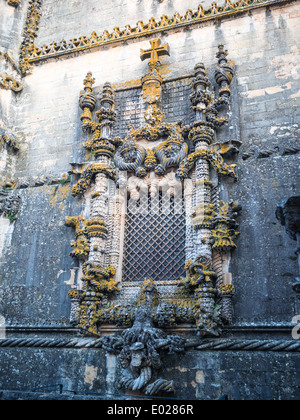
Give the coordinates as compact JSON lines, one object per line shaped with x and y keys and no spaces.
{"x":140,"y":347}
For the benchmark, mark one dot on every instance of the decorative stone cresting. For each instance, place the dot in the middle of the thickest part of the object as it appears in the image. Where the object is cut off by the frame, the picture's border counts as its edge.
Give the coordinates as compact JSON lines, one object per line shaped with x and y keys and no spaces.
{"x":181,"y":160}
{"x":31,"y":53}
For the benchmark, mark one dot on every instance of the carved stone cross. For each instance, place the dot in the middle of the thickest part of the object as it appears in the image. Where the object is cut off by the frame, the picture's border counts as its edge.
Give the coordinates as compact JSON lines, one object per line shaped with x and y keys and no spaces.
{"x":156,"y":51}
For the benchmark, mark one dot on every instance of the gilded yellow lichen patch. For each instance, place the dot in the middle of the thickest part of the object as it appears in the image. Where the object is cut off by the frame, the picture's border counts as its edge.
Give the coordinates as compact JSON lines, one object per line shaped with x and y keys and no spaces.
{"x":127,"y":85}
{"x":200,"y":377}
{"x":165,"y":70}
{"x":58,"y":195}
{"x":90,"y":375}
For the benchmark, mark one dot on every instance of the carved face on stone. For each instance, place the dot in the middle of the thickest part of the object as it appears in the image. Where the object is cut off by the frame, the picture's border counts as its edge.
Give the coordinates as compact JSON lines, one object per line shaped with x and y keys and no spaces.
{"x":137,"y":354}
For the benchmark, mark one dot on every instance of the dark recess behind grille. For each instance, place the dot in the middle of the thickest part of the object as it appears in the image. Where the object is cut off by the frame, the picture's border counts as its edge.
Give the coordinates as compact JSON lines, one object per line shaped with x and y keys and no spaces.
{"x":154,"y":244}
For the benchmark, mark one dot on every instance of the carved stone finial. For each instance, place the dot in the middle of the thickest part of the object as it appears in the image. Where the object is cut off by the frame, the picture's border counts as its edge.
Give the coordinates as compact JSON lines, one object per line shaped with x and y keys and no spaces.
{"x":87,"y":100}
{"x":224,"y":73}
{"x":152,"y":81}
{"x":88,"y":82}
{"x":222,"y":54}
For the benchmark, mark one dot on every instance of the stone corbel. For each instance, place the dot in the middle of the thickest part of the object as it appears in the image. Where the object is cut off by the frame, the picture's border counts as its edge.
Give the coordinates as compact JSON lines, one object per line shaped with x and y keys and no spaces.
{"x":140,"y":346}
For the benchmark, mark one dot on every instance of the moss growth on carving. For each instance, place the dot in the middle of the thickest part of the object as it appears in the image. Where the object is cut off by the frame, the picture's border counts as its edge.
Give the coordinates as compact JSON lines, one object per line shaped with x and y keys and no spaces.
{"x":12,"y":218}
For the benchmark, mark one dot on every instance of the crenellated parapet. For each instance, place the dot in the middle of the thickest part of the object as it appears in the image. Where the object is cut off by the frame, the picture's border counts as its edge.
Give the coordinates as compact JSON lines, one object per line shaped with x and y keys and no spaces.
{"x":143,"y":28}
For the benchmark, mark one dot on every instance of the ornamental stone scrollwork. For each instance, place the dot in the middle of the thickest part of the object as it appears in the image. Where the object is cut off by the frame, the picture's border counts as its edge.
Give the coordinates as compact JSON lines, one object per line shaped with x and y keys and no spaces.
{"x":92,"y":234}
{"x":139,"y":347}
{"x":30,"y":33}
{"x":10,"y":200}
{"x":152,"y":162}
{"x":8,"y":82}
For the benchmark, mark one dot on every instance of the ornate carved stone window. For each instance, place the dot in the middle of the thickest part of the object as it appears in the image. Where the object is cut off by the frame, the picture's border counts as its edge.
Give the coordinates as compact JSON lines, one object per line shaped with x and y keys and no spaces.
{"x":156,"y":240}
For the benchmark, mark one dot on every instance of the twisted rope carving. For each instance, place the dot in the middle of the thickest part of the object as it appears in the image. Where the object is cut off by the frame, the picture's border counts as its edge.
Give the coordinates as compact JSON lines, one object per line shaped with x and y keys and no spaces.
{"x":208,"y":345}
{"x":250,"y":345}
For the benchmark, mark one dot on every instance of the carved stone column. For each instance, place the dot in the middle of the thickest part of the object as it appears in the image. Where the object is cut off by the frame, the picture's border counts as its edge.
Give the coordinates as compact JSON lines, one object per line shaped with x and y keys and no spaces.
{"x":92,"y":245}
{"x":202,"y":135}
{"x":214,"y":231}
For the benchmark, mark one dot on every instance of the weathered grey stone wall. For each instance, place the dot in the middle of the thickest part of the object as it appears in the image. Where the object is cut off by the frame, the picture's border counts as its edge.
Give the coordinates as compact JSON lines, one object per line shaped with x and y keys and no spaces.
{"x":12,"y":21}
{"x":57,"y":22}
{"x":198,"y":375}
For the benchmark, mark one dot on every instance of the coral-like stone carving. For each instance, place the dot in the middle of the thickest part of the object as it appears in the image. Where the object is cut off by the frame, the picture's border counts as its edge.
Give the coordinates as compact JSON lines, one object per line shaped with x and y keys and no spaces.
{"x":9,"y":139}
{"x":140,"y":347}
{"x":92,"y":234}
{"x":28,"y":48}
{"x":34,"y":53}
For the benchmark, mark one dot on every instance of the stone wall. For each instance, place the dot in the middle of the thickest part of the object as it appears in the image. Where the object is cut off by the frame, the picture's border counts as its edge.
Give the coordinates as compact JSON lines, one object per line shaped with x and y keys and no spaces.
{"x":198,"y":375}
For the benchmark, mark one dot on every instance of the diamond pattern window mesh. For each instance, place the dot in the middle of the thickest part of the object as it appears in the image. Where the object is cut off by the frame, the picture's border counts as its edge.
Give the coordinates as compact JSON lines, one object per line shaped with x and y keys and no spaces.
{"x":155,"y":241}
